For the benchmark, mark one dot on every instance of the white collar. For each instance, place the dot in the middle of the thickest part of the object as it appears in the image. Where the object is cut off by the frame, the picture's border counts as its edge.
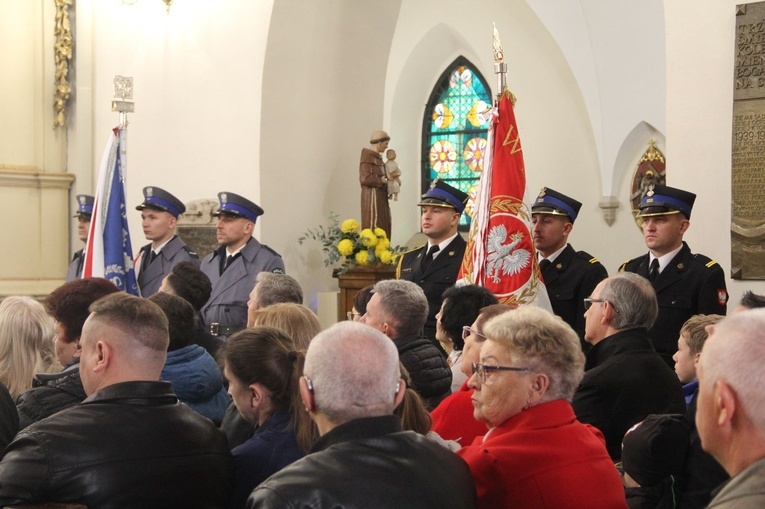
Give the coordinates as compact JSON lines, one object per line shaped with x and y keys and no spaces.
{"x":553,"y":256}
{"x":442,"y":245}
{"x":157,"y":250}
{"x":664,"y":259}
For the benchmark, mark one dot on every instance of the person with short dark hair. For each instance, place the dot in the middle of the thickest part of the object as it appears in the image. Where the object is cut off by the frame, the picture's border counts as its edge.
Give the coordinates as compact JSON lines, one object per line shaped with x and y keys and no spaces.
{"x":52,"y":392}
{"x":625,"y":380}
{"x":131,"y":443}
{"x":350,"y":385}
{"x":360,"y":301}
{"x":750,"y":300}
{"x":460,"y":308}
{"x":194,"y":374}
{"x":159,"y":218}
{"x":190,"y":283}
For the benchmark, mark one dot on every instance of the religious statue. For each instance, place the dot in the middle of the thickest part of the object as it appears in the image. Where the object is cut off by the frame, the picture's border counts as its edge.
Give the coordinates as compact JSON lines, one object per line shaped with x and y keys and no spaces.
{"x":393,"y":172}
{"x":375,"y":210}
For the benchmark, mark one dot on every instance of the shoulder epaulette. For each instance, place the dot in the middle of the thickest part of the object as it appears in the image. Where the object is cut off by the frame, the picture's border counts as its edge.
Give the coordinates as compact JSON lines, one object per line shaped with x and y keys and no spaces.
{"x":624,"y":266}
{"x":705,"y":260}
{"x":413,"y":250}
{"x":584,"y":255}
{"x":272,"y":251}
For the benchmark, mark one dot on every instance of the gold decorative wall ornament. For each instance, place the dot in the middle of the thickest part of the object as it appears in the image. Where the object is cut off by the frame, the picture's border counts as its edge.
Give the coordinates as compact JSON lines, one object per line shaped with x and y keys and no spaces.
{"x":62,"y":54}
{"x":650,"y":172}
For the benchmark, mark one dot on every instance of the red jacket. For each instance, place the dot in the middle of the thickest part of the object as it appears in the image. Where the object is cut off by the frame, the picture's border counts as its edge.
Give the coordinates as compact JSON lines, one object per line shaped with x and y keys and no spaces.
{"x":544,"y":458}
{"x":453,"y":418}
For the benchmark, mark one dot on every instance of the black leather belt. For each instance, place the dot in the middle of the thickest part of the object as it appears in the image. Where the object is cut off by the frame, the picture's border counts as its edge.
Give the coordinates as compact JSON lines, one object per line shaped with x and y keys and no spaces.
{"x":217,"y":329}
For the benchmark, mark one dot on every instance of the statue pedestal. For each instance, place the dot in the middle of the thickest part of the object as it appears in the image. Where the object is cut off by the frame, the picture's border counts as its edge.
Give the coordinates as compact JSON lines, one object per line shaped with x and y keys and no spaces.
{"x":357,"y":278}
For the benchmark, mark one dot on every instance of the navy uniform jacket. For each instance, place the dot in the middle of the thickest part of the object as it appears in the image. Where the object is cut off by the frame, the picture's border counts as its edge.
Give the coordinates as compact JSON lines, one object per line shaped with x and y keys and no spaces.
{"x":690,"y":284}
{"x":569,"y":280}
{"x":441,"y":275}
{"x":174,"y":252}
{"x":75,"y":267}
{"x":231,"y":291}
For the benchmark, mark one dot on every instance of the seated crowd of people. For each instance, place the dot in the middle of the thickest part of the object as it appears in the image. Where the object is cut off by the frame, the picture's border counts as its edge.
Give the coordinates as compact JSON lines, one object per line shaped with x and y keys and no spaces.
{"x":111,"y":400}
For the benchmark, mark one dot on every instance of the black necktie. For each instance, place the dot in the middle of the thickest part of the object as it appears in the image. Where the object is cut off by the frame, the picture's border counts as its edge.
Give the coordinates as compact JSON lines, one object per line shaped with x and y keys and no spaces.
{"x":544,"y":264}
{"x":429,"y":257}
{"x":229,"y":260}
{"x":654,"y":273}
{"x":148,"y":257}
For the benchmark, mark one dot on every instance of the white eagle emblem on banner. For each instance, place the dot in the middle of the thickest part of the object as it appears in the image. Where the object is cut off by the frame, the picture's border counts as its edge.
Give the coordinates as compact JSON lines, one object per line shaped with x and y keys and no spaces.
{"x":505,"y":257}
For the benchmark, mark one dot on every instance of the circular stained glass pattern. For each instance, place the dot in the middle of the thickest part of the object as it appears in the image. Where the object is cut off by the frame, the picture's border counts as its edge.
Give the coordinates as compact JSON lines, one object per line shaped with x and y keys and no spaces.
{"x":473,"y":154}
{"x":442,"y":156}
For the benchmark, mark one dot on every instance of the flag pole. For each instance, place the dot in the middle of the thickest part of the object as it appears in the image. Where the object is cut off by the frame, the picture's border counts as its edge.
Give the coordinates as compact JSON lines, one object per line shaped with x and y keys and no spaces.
{"x":500,"y":66}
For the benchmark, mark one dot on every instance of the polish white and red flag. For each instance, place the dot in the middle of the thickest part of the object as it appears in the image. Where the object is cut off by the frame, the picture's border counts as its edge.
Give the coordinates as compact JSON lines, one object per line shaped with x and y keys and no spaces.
{"x":500,"y":254}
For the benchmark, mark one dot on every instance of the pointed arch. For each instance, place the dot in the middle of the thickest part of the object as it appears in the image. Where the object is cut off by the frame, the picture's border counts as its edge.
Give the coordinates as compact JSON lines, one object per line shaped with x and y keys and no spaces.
{"x":454,"y":129}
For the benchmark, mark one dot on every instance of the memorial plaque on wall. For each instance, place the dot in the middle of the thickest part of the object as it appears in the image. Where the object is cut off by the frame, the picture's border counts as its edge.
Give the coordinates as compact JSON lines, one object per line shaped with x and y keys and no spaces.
{"x":748,"y":152}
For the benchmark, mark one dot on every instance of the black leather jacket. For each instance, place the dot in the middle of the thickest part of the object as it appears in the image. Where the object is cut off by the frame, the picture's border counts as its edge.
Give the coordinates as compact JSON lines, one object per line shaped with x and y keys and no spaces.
{"x":430,"y":373}
{"x":369,"y":463}
{"x":50,"y":393}
{"x":131,"y":444}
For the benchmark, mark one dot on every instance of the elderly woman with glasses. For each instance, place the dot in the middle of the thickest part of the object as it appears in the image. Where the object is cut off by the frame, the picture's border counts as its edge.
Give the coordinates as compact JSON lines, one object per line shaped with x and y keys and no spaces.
{"x":535,"y":453}
{"x":453,"y":417}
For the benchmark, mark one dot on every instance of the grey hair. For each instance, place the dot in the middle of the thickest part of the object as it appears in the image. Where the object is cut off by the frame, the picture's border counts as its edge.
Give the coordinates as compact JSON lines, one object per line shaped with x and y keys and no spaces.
{"x":734,"y":353}
{"x":354,"y":370}
{"x":543,"y":342}
{"x":403,"y":305}
{"x":633,"y":298}
{"x":277,"y":289}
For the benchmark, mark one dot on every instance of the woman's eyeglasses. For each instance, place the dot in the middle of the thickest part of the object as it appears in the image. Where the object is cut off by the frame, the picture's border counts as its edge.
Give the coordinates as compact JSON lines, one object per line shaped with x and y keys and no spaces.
{"x":466,"y":331}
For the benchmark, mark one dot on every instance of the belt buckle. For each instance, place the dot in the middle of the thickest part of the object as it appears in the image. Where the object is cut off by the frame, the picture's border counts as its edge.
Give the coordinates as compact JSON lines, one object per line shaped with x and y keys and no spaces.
{"x":215,"y":329}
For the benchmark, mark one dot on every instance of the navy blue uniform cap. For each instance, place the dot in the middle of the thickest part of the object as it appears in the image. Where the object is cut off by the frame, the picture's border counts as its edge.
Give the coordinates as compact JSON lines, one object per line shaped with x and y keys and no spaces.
{"x":84,"y":206}
{"x":554,"y":203}
{"x":442,"y":194}
{"x":663,"y":200}
{"x":158,"y":198}
{"x":234,"y":205}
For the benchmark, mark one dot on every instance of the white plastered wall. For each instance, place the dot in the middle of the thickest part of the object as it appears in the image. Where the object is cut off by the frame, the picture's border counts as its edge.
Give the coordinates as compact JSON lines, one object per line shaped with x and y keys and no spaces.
{"x":197,"y":72}
{"x":700,"y":49}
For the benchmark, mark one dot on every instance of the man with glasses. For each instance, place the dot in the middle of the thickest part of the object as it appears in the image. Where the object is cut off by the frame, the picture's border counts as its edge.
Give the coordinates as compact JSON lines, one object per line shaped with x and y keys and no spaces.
{"x":625,"y":380}
{"x":351,"y":385}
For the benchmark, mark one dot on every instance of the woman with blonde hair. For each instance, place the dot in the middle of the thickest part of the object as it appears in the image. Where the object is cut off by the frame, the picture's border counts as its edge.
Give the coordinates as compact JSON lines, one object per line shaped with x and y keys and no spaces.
{"x":300,"y":323}
{"x":26,"y":343}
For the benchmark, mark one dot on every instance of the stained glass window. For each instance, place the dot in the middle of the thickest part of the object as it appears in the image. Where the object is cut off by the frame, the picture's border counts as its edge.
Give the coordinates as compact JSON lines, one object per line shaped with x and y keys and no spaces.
{"x":454,"y":131}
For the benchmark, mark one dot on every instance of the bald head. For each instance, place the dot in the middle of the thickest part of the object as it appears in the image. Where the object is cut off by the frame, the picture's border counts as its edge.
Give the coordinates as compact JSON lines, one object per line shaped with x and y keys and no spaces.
{"x":735,"y":354}
{"x":354,"y":372}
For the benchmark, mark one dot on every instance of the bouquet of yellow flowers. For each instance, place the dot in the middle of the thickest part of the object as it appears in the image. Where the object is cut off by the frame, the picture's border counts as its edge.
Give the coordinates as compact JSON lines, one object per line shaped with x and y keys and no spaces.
{"x":354,"y":246}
